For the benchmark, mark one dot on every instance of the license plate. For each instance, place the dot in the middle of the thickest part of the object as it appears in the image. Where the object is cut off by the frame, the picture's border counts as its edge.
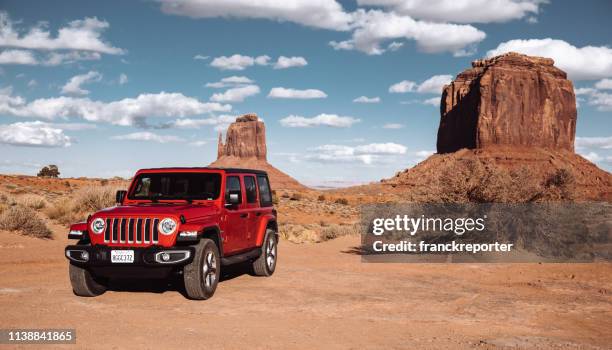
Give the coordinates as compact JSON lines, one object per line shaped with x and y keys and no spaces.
{"x":122,"y":256}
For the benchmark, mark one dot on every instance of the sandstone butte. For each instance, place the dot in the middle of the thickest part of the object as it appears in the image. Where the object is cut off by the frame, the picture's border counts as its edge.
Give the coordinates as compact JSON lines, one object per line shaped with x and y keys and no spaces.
{"x":245,"y":147}
{"x":509,"y":100}
{"x":511,"y":111}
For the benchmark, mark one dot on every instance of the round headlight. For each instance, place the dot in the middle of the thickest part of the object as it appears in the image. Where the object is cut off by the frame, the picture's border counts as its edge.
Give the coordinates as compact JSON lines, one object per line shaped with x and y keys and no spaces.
{"x":98,"y":225}
{"x":167,"y":226}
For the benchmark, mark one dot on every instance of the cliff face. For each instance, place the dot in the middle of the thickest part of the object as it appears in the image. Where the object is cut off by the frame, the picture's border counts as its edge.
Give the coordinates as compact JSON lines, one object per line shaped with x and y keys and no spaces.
{"x":245,"y":147}
{"x":245,"y":138}
{"x":510,"y":100}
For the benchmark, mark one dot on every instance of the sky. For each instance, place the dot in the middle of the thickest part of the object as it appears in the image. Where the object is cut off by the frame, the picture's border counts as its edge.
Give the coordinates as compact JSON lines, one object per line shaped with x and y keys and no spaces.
{"x":349,"y":90}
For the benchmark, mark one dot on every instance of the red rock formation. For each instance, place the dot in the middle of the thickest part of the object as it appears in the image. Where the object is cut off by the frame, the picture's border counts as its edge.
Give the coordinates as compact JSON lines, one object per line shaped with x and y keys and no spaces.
{"x":245,"y":138}
{"x":510,"y":100}
{"x":245,"y":147}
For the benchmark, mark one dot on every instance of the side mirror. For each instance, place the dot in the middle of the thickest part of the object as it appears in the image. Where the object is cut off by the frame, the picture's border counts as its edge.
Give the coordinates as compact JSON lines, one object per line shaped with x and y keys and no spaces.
{"x":233,"y":198}
{"x":120,"y":196}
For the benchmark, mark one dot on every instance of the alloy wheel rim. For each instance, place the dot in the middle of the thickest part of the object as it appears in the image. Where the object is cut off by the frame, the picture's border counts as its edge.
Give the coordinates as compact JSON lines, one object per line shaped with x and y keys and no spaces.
{"x":271,"y":253}
{"x":209,"y":269}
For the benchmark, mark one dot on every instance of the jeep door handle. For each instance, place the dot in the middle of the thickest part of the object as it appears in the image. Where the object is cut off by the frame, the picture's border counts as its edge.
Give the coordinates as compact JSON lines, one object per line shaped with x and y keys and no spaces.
{"x":258,"y":214}
{"x":245,"y":215}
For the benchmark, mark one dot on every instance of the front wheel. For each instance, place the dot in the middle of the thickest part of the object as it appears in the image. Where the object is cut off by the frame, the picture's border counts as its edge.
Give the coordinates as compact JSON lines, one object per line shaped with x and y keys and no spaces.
{"x":201,"y":276}
{"x":83,"y":283}
{"x":265,"y":264}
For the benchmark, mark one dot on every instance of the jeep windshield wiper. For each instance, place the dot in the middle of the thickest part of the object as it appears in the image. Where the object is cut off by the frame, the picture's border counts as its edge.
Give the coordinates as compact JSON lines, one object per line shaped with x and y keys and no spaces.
{"x":155,"y":198}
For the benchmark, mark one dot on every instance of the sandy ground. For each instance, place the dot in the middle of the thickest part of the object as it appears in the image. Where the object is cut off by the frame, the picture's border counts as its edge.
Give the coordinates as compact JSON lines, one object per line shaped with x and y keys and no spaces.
{"x":320,"y":297}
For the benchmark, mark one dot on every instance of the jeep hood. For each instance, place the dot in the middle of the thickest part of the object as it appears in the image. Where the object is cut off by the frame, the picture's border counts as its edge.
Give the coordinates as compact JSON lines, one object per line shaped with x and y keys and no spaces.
{"x":189,"y":211}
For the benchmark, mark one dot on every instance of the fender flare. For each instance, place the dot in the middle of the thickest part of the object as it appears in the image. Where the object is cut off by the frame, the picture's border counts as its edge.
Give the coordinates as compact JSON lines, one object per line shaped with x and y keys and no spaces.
{"x":268,"y":221}
{"x":214,"y":233}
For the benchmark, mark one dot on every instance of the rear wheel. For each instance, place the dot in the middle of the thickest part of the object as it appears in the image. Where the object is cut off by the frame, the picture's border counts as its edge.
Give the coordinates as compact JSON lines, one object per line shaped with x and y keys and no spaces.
{"x":201,"y":276}
{"x":83,"y":283}
{"x":266,"y":263}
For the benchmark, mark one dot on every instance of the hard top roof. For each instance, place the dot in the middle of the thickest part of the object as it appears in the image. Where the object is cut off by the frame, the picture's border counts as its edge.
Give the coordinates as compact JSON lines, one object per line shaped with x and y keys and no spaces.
{"x":227,"y":170}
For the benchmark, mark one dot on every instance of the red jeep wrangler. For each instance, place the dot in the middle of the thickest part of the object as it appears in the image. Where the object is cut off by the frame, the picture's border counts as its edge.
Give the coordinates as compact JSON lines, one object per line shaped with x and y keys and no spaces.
{"x":190,"y":221}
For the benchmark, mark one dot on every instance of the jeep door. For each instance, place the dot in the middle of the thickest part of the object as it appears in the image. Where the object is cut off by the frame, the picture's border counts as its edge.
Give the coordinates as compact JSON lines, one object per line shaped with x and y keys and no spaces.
{"x":236,"y":218}
{"x":252,"y":207}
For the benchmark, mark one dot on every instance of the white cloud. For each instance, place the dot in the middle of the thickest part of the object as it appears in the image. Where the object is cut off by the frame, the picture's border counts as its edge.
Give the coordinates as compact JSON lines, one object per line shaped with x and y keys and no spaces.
{"x":381,"y":148}
{"x":393,"y":126}
{"x":584,"y":63}
{"x":583,"y":91}
{"x":17,"y":57}
{"x":238,"y":62}
{"x":221,"y":121}
{"x":123,"y":79}
{"x":73,"y":86}
{"x":423,"y":154}
{"x":147,"y":136}
{"x":128,"y":111}
{"x":200,"y":57}
{"x":604,"y":84}
{"x":342,"y":45}
{"x":473,"y":11}
{"x":365,"y":99}
{"x":594,"y":142}
{"x":74,"y":126}
{"x":394,"y":46}
{"x":594,"y":96}
{"x":601,"y":100}
{"x":57,"y":58}
{"x":36,"y":134}
{"x":79,"y":35}
{"x":198,"y":143}
{"x":281,"y":92}
{"x":231,"y":81}
{"x":288,"y":62}
{"x":402,"y":87}
{"x":32,"y":83}
{"x":332,"y":120}
{"x":434,"y":84}
{"x":327,"y":14}
{"x":374,"y":27}
{"x":592,"y":156}
{"x":434,"y":101}
{"x":28,"y":57}
{"x":370,"y":28}
{"x":237,"y":94}
{"x":365,"y":154}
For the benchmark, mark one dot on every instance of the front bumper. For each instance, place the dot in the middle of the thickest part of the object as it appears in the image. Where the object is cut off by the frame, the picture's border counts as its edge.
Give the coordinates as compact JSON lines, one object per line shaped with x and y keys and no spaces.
{"x":100,"y":255}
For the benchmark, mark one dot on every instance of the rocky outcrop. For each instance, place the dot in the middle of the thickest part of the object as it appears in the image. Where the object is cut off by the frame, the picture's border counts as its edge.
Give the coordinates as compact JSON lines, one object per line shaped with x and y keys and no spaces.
{"x":509,"y":100}
{"x":245,"y":147}
{"x":245,"y":138}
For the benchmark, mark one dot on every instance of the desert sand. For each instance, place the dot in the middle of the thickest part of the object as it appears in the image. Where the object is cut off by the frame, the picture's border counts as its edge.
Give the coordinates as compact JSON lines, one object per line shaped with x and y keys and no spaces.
{"x":321,"y":296}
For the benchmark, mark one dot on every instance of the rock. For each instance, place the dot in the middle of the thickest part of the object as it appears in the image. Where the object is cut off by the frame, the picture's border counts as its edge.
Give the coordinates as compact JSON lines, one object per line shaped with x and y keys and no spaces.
{"x":245,"y":147}
{"x":510,"y":100}
{"x":245,"y":138}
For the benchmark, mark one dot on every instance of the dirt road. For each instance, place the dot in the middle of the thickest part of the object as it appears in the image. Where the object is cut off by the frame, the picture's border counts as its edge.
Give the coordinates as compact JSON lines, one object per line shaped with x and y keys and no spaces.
{"x":320,"y":297}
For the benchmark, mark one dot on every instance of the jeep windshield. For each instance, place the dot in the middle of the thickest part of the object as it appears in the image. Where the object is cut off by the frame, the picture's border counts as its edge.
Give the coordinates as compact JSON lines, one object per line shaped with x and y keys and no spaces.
{"x":176,"y":186}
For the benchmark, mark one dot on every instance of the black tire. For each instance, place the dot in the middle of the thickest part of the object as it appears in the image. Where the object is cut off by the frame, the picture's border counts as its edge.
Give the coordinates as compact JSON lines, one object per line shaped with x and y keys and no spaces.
{"x":265,"y":264}
{"x":84,"y":284}
{"x":201,"y":276}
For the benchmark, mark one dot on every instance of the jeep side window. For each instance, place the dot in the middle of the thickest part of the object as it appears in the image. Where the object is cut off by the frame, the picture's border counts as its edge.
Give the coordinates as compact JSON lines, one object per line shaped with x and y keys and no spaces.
{"x":265,"y":197}
{"x":233,"y":185}
{"x":250,"y":188}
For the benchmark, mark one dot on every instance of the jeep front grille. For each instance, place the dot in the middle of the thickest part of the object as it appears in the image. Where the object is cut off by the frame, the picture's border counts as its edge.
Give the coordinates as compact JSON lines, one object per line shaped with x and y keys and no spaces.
{"x":131,"y":230}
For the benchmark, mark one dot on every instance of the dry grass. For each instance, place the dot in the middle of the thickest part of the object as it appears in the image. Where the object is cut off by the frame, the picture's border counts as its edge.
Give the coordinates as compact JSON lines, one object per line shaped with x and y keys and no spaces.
{"x":476,"y":182}
{"x":80,"y":204}
{"x":24,"y":220}
{"x":33,"y":201}
{"x":315,"y":233}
